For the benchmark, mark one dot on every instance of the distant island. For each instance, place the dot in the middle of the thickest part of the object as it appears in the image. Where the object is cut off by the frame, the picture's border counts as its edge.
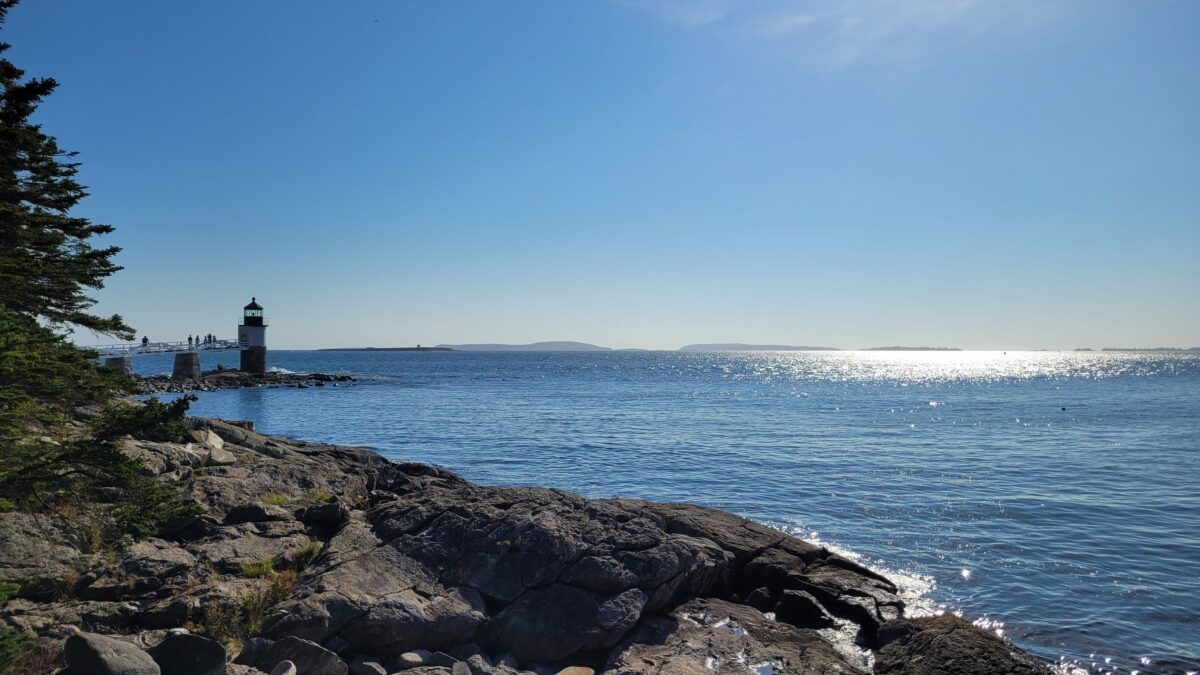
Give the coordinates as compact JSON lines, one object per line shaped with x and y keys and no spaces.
{"x":418,"y":348}
{"x":912,"y":349}
{"x":741,"y":347}
{"x":1151,"y":349}
{"x":532,"y":347}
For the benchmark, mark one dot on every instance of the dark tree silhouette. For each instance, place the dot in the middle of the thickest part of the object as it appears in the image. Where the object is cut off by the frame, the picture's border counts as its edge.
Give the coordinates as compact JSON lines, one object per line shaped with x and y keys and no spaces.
{"x":56,"y":456}
{"x":47,"y":260}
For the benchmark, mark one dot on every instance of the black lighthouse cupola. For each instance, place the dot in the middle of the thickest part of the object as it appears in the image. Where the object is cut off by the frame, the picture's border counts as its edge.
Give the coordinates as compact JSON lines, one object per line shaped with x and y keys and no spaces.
{"x":252,"y":313}
{"x":252,"y":333}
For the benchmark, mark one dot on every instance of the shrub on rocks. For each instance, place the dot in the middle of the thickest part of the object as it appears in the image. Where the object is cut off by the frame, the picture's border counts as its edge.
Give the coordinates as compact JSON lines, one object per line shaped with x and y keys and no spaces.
{"x":12,"y":646}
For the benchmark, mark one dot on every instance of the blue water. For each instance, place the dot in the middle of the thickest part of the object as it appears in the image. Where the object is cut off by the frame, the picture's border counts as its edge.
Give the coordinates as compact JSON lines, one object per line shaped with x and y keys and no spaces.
{"x":1052,"y":494}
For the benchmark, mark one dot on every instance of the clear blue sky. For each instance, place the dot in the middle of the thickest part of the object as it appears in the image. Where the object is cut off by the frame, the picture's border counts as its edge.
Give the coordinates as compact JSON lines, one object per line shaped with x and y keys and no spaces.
{"x":639,"y":173}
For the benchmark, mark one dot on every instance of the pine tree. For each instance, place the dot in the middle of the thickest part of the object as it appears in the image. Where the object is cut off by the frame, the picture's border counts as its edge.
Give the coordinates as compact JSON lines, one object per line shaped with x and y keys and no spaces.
{"x":47,"y":265}
{"x":49,"y":457}
{"x":47,"y":261}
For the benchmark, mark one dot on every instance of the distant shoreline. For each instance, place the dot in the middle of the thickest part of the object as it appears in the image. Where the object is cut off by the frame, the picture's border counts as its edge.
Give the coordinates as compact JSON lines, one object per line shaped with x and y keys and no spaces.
{"x":1150,"y":349}
{"x":720,"y":347}
{"x":912,"y":349}
{"x":385,"y":349}
{"x":743,"y":347}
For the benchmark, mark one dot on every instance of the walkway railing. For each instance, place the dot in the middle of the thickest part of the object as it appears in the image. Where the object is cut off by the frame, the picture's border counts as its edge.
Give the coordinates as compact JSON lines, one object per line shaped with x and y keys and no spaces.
{"x":138,"y":348}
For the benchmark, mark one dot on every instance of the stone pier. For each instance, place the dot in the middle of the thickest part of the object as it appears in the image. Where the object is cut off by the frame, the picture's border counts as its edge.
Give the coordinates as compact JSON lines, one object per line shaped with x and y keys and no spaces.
{"x":121,"y":364}
{"x":187,"y":366}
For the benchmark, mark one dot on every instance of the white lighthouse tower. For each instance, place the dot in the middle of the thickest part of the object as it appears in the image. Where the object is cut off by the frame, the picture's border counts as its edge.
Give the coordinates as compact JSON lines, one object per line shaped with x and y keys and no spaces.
{"x":252,"y":333}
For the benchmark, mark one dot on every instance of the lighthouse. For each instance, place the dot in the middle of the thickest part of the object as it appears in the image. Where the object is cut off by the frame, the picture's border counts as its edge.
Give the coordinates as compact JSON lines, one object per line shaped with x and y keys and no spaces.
{"x":252,"y":333}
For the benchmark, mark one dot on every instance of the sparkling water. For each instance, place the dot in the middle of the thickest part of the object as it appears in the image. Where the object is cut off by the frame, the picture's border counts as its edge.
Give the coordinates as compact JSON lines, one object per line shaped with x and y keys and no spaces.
{"x":1051,"y":495}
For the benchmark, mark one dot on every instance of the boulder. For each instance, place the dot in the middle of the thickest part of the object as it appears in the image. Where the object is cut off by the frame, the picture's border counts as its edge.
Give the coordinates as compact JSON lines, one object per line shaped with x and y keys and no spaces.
{"x":219,"y":457}
{"x":413,"y":659}
{"x":253,"y":650}
{"x":703,"y":637}
{"x":948,"y":644}
{"x":802,"y":609}
{"x":93,"y":654}
{"x":325,"y":515}
{"x":284,"y":668}
{"x":760,"y":599}
{"x":367,"y":665}
{"x":187,"y":654}
{"x":841,"y":587}
{"x":309,"y":658}
{"x":480,"y":664}
{"x":207,"y":438}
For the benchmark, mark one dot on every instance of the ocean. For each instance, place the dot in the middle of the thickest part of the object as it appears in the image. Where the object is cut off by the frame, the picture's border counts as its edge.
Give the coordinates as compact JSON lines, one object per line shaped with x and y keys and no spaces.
{"x":1053,"y":496}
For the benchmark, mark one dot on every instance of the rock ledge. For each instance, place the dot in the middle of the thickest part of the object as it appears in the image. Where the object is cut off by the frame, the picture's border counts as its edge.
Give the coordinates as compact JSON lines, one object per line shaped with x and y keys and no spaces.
{"x":323,"y":559}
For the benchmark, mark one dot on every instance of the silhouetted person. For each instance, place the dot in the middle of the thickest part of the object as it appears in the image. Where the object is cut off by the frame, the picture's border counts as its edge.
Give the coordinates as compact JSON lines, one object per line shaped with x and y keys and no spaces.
{"x":145,"y":342}
{"x":189,"y":342}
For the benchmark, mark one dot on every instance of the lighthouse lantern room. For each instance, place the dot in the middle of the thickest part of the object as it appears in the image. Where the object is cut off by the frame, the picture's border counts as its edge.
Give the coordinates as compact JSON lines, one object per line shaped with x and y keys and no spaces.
{"x":252,"y":333}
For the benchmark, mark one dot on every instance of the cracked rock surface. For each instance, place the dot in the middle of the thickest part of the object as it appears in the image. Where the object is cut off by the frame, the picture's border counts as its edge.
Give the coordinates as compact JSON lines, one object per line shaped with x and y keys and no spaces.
{"x":409,"y":567}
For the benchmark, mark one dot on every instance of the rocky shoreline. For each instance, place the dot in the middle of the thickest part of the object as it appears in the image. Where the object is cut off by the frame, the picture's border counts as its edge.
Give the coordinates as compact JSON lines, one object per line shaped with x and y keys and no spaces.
{"x":215,"y":380}
{"x":315,"y":559}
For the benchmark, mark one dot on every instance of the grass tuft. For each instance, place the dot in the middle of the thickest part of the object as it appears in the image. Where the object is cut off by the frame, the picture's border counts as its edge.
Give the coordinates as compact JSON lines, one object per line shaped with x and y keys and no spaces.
{"x":300,"y":558}
{"x":258,"y":569}
{"x":275,"y":499}
{"x":230,"y":623}
{"x":318,"y":495}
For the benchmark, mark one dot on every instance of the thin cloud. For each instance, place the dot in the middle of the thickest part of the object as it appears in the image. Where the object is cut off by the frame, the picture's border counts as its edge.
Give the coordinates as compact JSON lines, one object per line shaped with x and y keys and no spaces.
{"x":686,"y":13}
{"x":783,"y":25}
{"x":841,"y":32}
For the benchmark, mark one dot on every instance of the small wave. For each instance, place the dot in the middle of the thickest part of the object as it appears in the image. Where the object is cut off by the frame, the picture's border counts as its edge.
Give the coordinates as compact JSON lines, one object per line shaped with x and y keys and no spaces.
{"x":283,"y":371}
{"x":914,"y":589}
